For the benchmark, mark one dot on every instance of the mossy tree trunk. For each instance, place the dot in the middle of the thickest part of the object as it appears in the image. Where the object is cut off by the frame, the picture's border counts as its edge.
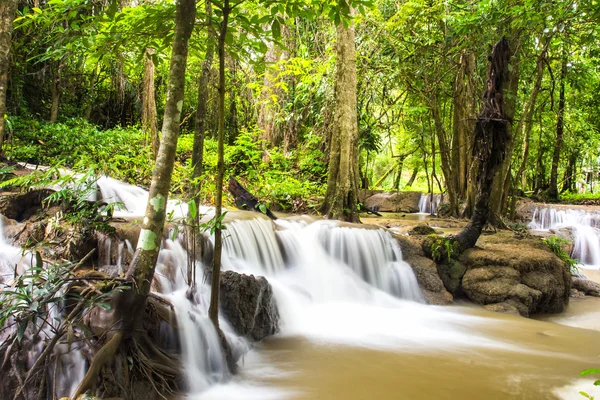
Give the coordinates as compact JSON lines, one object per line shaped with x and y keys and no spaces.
{"x":131,"y":304}
{"x":8,"y":9}
{"x":341,"y":199}
{"x":490,"y":141}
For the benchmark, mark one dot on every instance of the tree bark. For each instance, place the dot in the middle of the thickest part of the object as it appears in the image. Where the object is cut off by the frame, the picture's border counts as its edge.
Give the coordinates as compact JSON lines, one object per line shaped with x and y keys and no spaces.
{"x":558,"y":143}
{"x":490,"y":142}
{"x":131,"y":303}
{"x":8,"y":9}
{"x":213,"y":311}
{"x":412,"y":178}
{"x":56,"y":89}
{"x":341,"y":199}
{"x":142,"y":267}
{"x":201,"y":116}
{"x":499,"y":196}
{"x":526,"y":122}
{"x":464,"y":109}
{"x":149,"y":123}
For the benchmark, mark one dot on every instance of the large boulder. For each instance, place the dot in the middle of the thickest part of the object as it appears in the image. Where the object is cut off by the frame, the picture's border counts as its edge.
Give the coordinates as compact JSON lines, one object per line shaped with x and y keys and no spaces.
{"x":425,"y":270}
{"x":523,"y":274}
{"x":248,"y":304}
{"x":394,"y":202}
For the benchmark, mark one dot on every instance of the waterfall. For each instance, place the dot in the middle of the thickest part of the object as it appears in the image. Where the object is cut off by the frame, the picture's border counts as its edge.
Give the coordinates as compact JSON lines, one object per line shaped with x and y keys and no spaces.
{"x":316,"y":267}
{"x":427,"y":205}
{"x":585,"y":227}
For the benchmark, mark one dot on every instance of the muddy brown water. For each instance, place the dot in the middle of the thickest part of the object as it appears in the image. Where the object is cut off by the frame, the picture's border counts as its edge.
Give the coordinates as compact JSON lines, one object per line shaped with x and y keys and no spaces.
{"x":537,"y":359}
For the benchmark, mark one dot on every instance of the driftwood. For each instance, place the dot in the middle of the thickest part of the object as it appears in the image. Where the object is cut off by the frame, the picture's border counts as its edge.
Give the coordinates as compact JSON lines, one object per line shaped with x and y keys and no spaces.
{"x":246,"y":200}
{"x":369,"y":210}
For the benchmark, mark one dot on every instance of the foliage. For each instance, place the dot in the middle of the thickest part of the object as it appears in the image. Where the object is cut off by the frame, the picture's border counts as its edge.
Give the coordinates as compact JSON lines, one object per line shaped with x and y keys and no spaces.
{"x":75,"y":193}
{"x":591,"y":371}
{"x":119,"y":152}
{"x":442,"y":248}
{"x":557,"y":244}
{"x":36,"y":297}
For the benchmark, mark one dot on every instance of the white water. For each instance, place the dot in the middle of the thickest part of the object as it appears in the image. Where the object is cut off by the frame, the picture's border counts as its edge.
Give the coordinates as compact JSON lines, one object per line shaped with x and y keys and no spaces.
{"x":427,"y":205}
{"x":334,"y":284}
{"x":585,"y":226}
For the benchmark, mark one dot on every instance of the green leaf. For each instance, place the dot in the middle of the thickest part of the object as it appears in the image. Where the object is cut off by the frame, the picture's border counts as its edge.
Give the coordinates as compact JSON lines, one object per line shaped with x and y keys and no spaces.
{"x":276,"y":29}
{"x":590,"y":371}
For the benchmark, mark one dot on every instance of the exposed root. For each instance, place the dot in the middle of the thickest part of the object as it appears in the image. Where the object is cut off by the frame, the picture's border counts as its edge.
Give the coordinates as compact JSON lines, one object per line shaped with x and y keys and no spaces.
{"x":105,"y":354}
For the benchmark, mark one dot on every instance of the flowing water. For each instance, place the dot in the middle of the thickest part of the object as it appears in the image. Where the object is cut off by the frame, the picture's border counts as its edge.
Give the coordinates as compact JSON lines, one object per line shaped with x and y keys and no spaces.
{"x":353,"y":322}
{"x":429,"y":203}
{"x":584,"y":224}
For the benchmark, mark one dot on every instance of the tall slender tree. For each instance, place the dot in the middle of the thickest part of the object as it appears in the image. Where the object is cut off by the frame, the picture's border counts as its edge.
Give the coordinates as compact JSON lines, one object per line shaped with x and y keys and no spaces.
{"x":141,"y":271}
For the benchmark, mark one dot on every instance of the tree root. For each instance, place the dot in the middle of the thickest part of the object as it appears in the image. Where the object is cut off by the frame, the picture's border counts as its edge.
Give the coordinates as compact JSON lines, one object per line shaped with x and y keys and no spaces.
{"x":105,"y":354}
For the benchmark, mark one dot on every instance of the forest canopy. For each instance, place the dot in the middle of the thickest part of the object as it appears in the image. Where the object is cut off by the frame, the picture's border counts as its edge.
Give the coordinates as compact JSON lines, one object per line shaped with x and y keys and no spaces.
{"x":86,"y":83}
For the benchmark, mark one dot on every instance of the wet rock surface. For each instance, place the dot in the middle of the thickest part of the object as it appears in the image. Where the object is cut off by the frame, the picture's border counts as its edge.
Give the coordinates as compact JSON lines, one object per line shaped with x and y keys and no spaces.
{"x":394,"y":202}
{"x":248,"y":304}
{"x":521,"y":273}
{"x":586,"y":286}
{"x":425,"y":270}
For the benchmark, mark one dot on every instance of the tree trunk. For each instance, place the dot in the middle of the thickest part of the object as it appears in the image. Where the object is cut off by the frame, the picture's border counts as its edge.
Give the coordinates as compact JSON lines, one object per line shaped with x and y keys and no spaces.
{"x":341,"y":198}
{"x":213,"y":311}
{"x":526,"y":122}
{"x":141,"y":271}
{"x":56,"y":89}
{"x":445,"y":154}
{"x":149,"y":124}
{"x":412,"y":178}
{"x":8,"y":9}
{"x":201,"y":117}
{"x":269,"y":97}
{"x":87,"y":113}
{"x":490,"y":142}
{"x":462,"y":123}
{"x":570,"y":173}
{"x":499,"y":196}
{"x":558,"y":143}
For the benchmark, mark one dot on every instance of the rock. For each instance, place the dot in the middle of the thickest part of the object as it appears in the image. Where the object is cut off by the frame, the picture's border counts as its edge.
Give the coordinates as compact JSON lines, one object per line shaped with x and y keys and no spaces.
{"x":20,"y":206}
{"x":394,"y":202}
{"x":524,"y":210}
{"x":451,"y":272}
{"x":505,"y":307}
{"x":522,"y":272}
{"x":576,"y":294}
{"x":589,"y":288}
{"x":421,"y":230}
{"x":425,"y":270}
{"x":248,"y":304}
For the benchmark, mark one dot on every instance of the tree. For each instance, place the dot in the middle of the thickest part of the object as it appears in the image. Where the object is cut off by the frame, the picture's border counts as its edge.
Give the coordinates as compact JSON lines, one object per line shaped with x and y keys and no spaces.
{"x":560,"y":116}
{"x":8,"y":9}
{"x":141,"y":271}
{"x":341,"y":199}
{"x":489,"y":146}
{"x":149,"y":124}
{"x":201,"y":110}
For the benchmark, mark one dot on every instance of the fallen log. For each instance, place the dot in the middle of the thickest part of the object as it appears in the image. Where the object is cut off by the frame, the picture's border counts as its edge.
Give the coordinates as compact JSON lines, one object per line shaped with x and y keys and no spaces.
{"x":246,"y":200}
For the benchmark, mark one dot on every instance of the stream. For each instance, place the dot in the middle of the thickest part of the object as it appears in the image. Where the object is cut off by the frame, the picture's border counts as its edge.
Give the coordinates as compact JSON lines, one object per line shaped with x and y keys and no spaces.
{"x":354,"y":324}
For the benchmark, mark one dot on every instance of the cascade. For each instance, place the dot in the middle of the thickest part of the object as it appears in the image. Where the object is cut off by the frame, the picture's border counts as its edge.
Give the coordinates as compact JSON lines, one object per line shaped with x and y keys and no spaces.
{"x":330,"y":280}
{"x":427,"y":205}
{"x":585,"y":227}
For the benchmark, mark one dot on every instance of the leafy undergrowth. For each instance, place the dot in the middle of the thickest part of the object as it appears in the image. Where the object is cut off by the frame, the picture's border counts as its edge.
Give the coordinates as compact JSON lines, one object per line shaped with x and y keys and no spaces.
{"x":581,"y":198}
{"x":290,"y":182}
